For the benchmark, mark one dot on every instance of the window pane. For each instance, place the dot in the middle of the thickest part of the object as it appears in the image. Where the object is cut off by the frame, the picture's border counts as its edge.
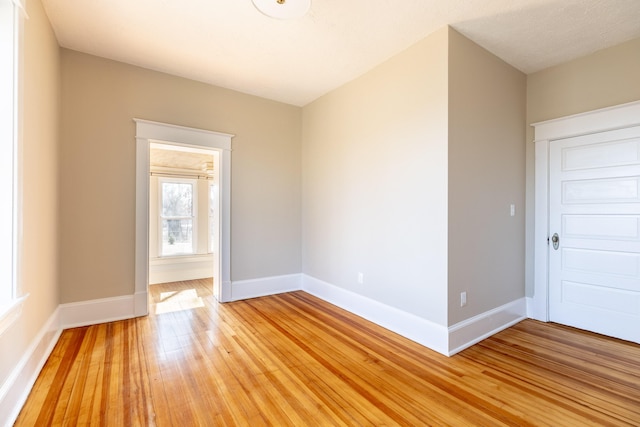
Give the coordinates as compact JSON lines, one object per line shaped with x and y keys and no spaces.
{"x":177,"y":236}
{"x":177,"y":199}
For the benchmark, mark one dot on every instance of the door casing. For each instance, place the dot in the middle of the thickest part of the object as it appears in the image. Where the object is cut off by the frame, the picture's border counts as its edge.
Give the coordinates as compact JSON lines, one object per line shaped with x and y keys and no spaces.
{"x":147,"y":132}
{"x":605,"y":119}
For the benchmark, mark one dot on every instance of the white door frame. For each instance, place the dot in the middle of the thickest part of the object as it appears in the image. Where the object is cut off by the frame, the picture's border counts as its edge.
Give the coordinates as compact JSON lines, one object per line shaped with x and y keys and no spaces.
{"x":146,"y":133}
{"x":602,"y":120}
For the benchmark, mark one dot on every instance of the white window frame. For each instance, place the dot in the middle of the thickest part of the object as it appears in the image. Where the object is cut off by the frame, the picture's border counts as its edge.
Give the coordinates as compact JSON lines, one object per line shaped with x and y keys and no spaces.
{"x":194,"y":215}
{"x":12,"y":15}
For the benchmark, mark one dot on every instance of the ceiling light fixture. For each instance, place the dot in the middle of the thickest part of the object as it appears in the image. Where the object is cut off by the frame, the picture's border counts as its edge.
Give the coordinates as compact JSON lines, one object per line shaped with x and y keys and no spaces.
{"x":283,"y":9}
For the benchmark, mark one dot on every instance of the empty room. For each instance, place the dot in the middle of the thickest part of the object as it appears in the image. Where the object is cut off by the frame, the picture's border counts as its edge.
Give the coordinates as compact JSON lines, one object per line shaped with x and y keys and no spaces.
{"x":309,"y":212}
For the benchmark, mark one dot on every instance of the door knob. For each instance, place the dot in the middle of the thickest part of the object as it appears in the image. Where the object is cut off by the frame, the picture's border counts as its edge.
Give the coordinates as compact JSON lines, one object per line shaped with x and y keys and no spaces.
{"x":555,"y":239}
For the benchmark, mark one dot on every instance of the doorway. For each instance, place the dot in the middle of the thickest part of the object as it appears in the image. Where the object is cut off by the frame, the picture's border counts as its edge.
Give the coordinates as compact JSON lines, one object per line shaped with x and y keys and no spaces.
{"x":587,"y":260}
{"x":219,"y":145}
{"x":183,"y":213}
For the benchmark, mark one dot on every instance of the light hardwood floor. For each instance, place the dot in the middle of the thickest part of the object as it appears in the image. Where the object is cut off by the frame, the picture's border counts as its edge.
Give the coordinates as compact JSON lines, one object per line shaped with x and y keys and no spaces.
{"x":293,"y":359}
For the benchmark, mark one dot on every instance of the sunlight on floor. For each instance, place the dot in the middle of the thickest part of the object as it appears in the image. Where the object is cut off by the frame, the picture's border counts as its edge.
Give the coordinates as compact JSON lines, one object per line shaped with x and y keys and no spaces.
{"x":178,"y":301}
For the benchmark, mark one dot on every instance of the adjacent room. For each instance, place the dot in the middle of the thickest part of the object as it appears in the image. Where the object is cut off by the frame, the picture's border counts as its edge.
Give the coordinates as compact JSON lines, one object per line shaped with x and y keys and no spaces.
{"x":295,"y":212}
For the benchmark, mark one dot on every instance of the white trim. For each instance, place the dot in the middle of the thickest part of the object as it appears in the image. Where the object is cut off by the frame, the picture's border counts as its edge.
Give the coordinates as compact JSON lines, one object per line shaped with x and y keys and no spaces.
{"x":222,"y":268}
{"x":244,"y":289}
{"x":93,"y":312}
{"x":602,"y":120}
{"x":540,"y":302}
{"x":471,"y":331}
{"x":142,"y":222}
{"x":16,"y":388}
{"x":422,"y":331}
{"x":19,"y":157}
{"x":148,"y":132}
{"x":165,"y":132}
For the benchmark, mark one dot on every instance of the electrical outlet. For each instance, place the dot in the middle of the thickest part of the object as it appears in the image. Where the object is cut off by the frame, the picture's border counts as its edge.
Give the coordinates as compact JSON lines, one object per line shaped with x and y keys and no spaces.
{"x":360,"y":278}
{"x":463,"y":299}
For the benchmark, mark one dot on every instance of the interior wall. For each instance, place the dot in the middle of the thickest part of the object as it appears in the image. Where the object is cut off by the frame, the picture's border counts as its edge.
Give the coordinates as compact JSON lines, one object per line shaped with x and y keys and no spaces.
{"x":375,"y":182}
{"x":486,"y":175}
{"x":603,"y":79}
{"x":39,"y":254}
{"x":100,"y":99}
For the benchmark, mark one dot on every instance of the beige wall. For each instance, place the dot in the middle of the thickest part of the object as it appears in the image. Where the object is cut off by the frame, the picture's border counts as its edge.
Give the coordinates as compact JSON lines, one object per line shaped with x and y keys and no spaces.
{"x":486,"y":175}
{"x":39,"y":259}
{"x":375,"y":182}
{"x":605,"y":78}
{"x":408,"y":175}
{"x":100,"y":99}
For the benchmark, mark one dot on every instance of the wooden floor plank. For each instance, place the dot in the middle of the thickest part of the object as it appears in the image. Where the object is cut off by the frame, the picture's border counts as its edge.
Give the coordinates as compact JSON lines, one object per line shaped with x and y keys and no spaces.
{"x":292,"y":359}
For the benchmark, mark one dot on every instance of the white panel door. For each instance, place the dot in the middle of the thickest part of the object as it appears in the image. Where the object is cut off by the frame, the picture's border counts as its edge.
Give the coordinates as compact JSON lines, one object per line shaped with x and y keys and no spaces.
{"x":594,"y":207}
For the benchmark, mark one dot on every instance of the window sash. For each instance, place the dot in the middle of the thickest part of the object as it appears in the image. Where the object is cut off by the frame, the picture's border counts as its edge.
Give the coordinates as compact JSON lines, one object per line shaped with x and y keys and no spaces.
{"x":12,"y":15}
{"x":176,"y":248}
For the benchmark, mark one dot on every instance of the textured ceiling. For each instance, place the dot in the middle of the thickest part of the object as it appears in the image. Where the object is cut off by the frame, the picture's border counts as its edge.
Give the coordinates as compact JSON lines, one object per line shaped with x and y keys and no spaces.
{"x":229,"y":43}
{"x":198,"y":162}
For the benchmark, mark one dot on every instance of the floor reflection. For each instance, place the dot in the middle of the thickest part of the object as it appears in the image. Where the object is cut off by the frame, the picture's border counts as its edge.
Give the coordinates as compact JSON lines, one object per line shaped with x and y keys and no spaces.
{"x":183,"y":314}
{"x":178,"y":301}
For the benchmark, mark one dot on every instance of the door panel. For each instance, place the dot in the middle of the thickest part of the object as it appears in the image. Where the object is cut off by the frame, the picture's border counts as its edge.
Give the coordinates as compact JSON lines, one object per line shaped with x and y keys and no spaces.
{"x":594,"y":201}
{"x":615,"y":153}
{"x":600,"y":297}
{"x":616,"y":227}
{"x":616,"y":190}
{"x":605,"y":263}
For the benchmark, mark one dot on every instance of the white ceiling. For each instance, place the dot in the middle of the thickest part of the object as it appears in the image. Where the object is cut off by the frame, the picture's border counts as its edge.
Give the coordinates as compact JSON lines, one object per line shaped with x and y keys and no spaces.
{"x":166,"y":158}
{"x":229,"y":43}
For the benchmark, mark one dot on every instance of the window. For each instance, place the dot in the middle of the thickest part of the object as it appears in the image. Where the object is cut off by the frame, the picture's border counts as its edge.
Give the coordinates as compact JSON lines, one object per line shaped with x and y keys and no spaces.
{"x":10,"y":35}
{"x":177,"y":216}
{"x":7,"y":101}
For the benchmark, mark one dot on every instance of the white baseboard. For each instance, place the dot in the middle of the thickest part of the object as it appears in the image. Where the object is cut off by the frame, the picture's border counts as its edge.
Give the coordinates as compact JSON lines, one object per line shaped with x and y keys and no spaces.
{"x":422,"y":331}
{"x":18,"y":385}
{"x":471,"y":331}
{"x":243,"y":289}
{"x":92,"y":312}
{"x":447,"y":341}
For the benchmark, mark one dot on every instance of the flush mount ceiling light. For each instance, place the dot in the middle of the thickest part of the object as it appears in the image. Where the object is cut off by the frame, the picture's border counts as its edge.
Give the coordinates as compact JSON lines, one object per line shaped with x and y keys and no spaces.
{"x":283,"y":9}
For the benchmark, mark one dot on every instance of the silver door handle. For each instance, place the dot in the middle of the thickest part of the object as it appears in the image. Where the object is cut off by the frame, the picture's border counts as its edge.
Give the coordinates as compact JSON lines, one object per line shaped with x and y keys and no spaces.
{"x":555,"y":239}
